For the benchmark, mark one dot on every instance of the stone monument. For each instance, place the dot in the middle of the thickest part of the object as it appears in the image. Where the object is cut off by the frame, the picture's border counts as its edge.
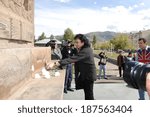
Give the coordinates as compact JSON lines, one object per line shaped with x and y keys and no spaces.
{"x":17,"y":53}
{"x":16,"y":23}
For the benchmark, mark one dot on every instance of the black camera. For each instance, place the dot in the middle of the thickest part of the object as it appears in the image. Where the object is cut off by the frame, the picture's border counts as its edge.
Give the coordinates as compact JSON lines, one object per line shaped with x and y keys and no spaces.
{"x":65,"y":43}
{"x":135,"y":74}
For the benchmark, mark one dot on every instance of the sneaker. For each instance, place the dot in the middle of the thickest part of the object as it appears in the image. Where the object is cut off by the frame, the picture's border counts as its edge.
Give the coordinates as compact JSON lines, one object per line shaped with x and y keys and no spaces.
{"x":70,"y":89}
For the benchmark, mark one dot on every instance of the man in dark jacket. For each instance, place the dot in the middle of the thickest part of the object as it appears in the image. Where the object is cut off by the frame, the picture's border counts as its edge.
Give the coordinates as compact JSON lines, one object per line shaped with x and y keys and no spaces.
{"x":120,"y":63}
{"x":86,"y":65}
{"x":67,"y":52}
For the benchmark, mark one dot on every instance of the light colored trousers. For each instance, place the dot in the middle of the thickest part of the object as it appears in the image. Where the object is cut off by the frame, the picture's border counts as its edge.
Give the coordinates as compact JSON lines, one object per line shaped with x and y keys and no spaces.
{"x":102,"y":68}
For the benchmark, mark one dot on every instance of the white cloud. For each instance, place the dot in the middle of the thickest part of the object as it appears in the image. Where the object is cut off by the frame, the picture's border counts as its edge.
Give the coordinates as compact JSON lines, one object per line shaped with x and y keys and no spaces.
{"x":135,"y":6}
{"x":83,"y":20}
{"x":95,"y":2}
{"x":142,"y":3}
{"x":63,"y":1}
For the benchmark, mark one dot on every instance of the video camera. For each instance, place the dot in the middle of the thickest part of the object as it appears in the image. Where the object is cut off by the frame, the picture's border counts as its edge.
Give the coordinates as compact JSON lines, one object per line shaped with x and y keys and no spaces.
{"x":65,"y":43}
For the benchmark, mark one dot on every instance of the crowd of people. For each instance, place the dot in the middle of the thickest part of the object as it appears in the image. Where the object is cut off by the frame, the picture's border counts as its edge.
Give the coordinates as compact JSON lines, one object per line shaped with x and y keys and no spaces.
{"x":81,"y":57}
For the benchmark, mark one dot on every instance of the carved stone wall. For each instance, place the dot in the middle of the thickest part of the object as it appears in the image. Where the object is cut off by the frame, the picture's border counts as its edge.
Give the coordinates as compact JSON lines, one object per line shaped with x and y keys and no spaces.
{"x":17,"y":53}
{"x":15,"y":68}
{"x":16,"y":41}
{"x":17,"y":20}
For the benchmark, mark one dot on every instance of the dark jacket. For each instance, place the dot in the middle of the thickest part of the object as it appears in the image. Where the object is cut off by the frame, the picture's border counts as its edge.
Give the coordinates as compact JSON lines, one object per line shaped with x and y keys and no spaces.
{"x":103,"y":59}
{"x":120,"y":60}
{"x":85,"y":64}
{"x":67,"y":52}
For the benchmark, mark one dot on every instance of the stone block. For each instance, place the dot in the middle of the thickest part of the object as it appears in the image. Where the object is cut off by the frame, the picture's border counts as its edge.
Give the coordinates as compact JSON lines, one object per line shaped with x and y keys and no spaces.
{"x":39,"y":56}
{"x":15,"y":69}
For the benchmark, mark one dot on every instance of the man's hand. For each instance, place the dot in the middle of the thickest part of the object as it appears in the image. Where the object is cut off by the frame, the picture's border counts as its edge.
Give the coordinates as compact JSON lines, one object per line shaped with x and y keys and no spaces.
{"x":51,"y":65}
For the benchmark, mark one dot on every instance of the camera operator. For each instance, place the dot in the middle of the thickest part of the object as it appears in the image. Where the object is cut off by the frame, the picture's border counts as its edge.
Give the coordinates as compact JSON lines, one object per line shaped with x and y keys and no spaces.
{"x":143,"y":56}
{"x":67,"y":52}
{"x":102,"y":65}
{"x":55,"y":50}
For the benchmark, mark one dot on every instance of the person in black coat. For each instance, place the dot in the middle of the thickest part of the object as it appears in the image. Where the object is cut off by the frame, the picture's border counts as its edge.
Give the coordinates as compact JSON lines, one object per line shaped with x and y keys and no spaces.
{"x":67,"y":52}
{"x":85,"y":64}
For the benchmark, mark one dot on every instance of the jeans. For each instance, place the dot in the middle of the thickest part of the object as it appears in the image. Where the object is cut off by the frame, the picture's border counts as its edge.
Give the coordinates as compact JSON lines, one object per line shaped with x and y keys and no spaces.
{"x":68,"y":76}
{"x":141,"y":94}
{"x":102,"y":67}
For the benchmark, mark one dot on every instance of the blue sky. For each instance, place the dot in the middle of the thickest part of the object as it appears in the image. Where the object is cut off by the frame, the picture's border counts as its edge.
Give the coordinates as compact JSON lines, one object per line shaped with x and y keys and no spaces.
{"x":89,"y":3}
{"x":83,"y":16}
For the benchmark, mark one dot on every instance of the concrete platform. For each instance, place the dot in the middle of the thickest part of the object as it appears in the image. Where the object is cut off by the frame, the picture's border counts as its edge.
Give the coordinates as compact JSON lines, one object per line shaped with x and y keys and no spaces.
{"x":106,"y":90}
{"x":112,"y":89}
{"x":41,"y":89}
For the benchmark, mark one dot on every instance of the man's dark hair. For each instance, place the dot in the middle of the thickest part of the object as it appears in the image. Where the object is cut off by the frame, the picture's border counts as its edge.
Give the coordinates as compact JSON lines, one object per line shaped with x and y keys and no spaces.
{"x":52,"y":44}
{"x":72,"y":45}
{"x":100,"y":54}
{"x":142,"y":39}
{"x":84,"y":39}
{"x":130,"y":53}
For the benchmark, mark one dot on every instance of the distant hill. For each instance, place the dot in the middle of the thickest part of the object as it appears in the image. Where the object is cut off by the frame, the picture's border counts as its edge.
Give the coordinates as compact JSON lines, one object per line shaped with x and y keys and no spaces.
{"x":107,"y":35}
{"x":59,"y":37}
{"x":101,"y":36}
{"x":146,"y":34}
{"x":143,"y":33}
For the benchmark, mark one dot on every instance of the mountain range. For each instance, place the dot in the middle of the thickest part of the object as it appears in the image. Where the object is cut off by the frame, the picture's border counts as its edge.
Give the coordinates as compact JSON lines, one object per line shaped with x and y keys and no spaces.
{"x":100,"y":36}
{"x":107,"y":35}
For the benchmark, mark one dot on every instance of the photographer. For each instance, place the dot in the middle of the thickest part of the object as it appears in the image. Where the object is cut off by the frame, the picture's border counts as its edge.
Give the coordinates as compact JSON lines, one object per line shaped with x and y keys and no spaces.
{"x":67,"y":52}
{"x":55,"y":50}
{"x":102,"y":65}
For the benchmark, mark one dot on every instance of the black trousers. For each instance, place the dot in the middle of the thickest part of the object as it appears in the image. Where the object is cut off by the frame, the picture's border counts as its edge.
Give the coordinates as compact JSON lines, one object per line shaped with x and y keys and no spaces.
{"x":120,"y":71}
{"x":88,"y":90}
{"x":121,"y":68}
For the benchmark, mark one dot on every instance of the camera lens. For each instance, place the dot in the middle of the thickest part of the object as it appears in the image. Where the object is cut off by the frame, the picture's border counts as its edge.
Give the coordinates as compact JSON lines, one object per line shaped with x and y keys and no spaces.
{"x":135,"y":74}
